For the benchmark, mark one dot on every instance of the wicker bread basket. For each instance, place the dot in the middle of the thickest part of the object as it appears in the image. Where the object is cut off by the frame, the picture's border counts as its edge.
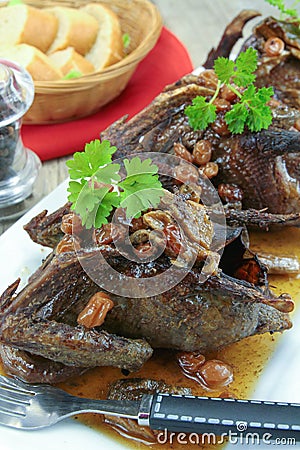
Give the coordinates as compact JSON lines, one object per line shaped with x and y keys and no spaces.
{"x":63,"y":100}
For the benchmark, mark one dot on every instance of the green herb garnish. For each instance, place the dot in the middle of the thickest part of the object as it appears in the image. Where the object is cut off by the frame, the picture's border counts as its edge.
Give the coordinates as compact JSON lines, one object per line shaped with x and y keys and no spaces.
{"x":141,"y":188}
{"x":72,"y":74}
{"x":126,"y":40}
{"x":14,"y":2}
{"x":98,"y":187}
{"x":251,"y":110}
{"x":292,"y":12}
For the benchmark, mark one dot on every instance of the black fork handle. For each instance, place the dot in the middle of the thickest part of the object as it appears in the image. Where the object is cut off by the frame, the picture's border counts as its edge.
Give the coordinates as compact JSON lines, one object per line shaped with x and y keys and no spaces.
{"x":224,"y":416}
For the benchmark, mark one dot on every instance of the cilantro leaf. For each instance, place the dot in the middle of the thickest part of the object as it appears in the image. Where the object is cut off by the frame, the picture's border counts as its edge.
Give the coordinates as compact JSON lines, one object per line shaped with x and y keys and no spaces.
{"x":95,"y":184}
{"x":85,"y":164}
{"x":251,"y":111}
{"x":249,"y":93}
{"x":137,"y":200}
{"x":75,"y":187}
{"x":104,"y":208}
{"x":79,"y":166}
{"x":99,"y":153}
{"x":259,"y":118}
{"x":224,"y":69}
{"x":141,"y":189}
{"x":246,"y":64}
{"x":200,"y":113}
{"x":265,"y":94}
{"x":236,"y":118}
{"x":108,"y":174}
{"x":85,"y":203}
{"x":139,"y":182}
{"x":259,"y":115}
{"x":136,"y":166}
{"x":95,"y":205}
{"x":92,"y":165}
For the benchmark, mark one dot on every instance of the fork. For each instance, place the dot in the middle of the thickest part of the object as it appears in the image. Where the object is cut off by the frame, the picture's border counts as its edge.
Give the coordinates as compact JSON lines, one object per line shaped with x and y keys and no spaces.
{"x":31,"y":407}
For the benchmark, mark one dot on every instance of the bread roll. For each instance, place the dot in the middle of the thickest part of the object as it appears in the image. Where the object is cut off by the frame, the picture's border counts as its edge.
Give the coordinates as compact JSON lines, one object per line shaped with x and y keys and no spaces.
{"x":68,"y":59}
{"x":75,"y":29}
{"x":33,"y":60}
{"x":24,"y":24}
{"x":108,"y":47}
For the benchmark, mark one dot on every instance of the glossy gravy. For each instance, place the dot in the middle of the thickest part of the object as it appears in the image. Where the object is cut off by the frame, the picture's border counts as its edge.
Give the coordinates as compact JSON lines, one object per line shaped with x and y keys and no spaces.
{"x":247,"y":358}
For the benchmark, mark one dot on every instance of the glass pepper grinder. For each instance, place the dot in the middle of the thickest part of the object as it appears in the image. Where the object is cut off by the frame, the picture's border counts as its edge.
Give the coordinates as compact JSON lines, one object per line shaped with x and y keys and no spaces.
{"x":19,"y":166}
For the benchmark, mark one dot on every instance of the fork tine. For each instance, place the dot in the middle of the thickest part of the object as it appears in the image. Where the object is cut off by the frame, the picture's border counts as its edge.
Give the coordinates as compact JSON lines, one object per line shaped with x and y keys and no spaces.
{"x":12,"y":410}
{"x":11,"y":421}
{"x":15,"y":385}
{"x":13,"y":402}
{"x":14,"y":397}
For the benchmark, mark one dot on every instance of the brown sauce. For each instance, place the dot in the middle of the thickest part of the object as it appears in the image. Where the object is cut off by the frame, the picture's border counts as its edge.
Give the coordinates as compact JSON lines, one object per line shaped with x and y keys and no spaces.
{"x":247,"y":358}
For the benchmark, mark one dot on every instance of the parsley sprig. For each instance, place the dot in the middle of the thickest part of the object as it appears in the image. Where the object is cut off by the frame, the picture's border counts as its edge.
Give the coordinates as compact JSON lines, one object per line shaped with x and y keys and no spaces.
{"x":96,"y":187}
{"x":279,"y":4}
{"x":251,"y":110}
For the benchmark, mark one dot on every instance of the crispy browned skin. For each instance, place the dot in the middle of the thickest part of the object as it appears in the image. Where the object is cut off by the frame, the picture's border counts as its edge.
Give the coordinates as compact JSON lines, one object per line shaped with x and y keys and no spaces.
{"x":195,"y":317}
{"x":29,"y":367}
{"x":189,"y":317}
{"x":265,"y":164}
{"x":252,"y":161}
{"x":261,"y":219}
{"x":45,"y":229}
{"x":283,"y":73}
{"x":35,"y":369}
{"x":45,"y":235}
{"x":32,"y":321}
{"x":233,"y":303}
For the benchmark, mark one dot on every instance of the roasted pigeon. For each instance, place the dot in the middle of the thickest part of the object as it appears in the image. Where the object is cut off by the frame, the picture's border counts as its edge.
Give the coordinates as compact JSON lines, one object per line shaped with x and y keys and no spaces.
{"x":278,"y":46}
{"x":40,"y":324}
{"x":256,"y":174}
{"x":251,"y":165}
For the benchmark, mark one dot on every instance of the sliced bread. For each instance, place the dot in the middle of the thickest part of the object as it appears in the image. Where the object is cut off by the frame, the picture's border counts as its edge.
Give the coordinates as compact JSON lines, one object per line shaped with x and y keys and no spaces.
{"x":25,"y":24}
{"x":76,"y":29}
{"x":68,"y":60}
{"x":33,"y":60}
{"x":108,"y":47}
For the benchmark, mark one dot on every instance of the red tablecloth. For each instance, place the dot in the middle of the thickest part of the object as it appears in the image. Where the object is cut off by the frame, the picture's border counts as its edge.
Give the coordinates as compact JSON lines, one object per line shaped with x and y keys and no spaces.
{"x":168,"y":61}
